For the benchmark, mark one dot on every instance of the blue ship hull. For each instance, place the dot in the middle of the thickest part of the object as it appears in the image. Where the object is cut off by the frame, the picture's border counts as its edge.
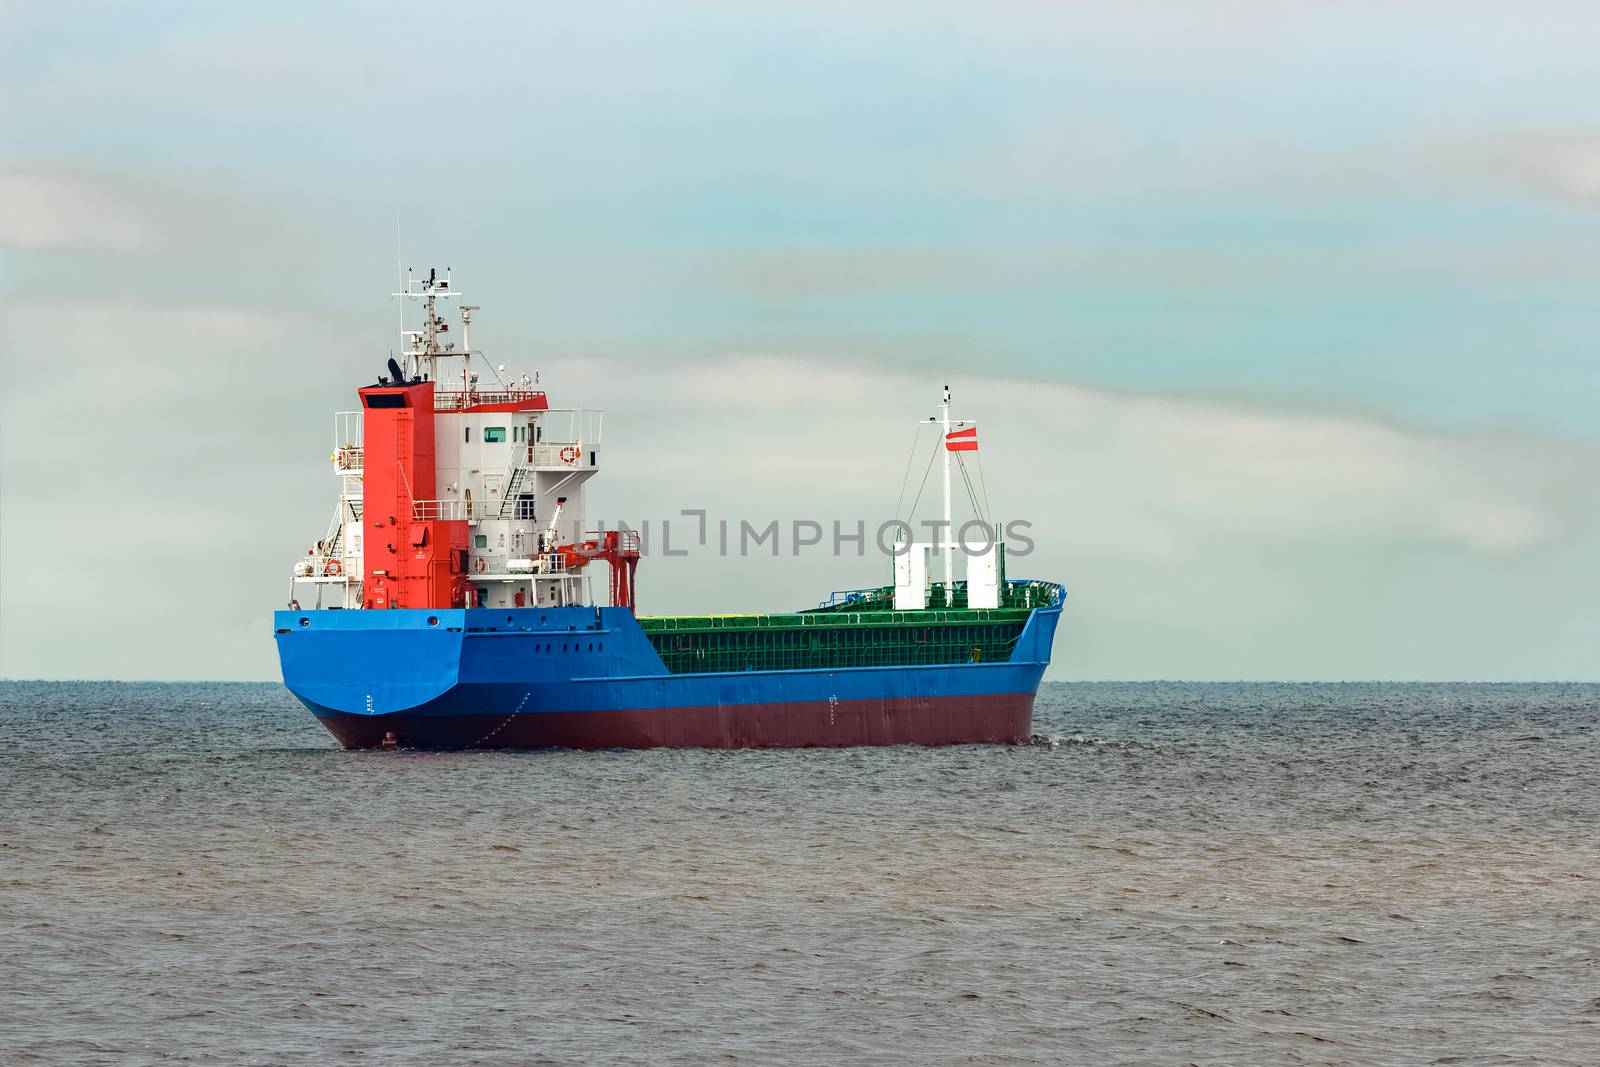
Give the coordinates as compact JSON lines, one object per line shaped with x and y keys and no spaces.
{"x":586,"y":677}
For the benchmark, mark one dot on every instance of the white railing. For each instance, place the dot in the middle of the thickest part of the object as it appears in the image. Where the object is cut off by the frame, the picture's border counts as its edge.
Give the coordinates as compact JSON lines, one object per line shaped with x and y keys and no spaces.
{"x":349,"y":459}
{"x":544,"y":565}
{"x":325,"y":568}
{"x":452,"y":509}
{"x":347,"y":427}
{"x":347,"y":454}
{"x":627,"y":540}
{"x":457,"y":400}
{"x":562,"y":455}
{"x":572,"y":424}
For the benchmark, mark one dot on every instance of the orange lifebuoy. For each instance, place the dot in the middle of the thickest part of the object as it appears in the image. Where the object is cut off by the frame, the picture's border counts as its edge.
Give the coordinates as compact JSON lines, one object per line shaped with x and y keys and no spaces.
{"x":569,"y":454}
{"x":483,"y":564}
{"x":333,"y":568}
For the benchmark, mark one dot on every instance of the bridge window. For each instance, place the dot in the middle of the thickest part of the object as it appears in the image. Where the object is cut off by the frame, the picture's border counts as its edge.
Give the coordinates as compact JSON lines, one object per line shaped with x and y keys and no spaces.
{"x":494,"y":435}
{"x":481,"y":540}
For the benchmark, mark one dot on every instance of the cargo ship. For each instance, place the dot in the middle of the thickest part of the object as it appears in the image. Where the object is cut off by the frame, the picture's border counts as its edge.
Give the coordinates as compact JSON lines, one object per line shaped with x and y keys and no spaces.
{"x":451,"y":603}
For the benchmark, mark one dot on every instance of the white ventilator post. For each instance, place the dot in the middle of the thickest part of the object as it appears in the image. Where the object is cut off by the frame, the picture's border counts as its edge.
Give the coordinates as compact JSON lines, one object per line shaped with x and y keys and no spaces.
{"x":949,"y":541}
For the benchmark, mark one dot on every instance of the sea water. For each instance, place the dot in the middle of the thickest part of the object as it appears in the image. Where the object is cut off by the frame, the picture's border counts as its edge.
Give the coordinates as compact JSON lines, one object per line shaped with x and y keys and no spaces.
{"x":1170,"y":873}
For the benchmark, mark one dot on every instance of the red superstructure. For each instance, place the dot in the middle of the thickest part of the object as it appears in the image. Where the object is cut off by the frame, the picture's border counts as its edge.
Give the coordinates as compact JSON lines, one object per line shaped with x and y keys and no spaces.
{"x":459,"y":492}
{"x":410,"y":562}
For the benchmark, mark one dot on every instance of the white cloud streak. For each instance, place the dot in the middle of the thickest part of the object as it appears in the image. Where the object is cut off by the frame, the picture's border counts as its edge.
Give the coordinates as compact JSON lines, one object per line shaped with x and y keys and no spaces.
{"x":1570,"y":166}
{"x":1107,"y":471}
{"x":50,"y":210}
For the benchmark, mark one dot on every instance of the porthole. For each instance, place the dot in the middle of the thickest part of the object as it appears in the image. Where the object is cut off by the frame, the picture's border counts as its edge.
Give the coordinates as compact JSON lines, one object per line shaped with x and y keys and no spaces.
{"x":304,"y":621}
{"x":433,"y":620}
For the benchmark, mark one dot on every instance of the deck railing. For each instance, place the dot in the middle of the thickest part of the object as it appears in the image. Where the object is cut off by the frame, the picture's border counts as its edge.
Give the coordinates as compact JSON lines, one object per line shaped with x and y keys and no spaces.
{"x":561,"y":454}
{"x":1015,"y":593}
{"x":328,"y":568}
{"x":462,"y":400}
{"x":452,"y":509}
{"x":349,"y":459}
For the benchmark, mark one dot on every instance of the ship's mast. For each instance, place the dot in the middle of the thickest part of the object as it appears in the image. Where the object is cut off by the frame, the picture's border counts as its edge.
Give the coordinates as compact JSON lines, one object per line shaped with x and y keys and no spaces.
{"x":423,"y":348}
{"x":950,"y":543}
{"x":949,"y":539}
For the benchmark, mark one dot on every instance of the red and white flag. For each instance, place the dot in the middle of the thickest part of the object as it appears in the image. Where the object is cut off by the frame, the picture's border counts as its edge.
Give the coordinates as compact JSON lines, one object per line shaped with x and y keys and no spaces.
{"x":962,"y":440}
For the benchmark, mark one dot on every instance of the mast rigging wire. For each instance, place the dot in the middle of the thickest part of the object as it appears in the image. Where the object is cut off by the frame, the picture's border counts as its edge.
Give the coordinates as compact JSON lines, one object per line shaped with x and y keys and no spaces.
{"x":937,"y":442}
{"x":492,"y":371}
{"x":905,"y":481}
{"x":987,"y":507}
{"x":971,"y":495}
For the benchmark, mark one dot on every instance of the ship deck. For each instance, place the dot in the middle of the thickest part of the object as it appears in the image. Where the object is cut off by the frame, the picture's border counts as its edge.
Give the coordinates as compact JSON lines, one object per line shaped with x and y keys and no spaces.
{"x":856,"y":628}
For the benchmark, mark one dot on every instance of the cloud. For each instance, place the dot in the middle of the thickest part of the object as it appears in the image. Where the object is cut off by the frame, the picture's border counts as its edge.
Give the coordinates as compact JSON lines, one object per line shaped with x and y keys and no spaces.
{"x":1569,"y":166}
{"x":1106,"y":471}
{"x":50,"y":210}
{"x":181,"y":428}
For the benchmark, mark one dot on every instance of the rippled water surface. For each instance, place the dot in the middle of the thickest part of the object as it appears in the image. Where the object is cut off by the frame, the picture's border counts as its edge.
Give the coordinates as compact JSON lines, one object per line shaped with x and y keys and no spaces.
{"x":1174,"y":873}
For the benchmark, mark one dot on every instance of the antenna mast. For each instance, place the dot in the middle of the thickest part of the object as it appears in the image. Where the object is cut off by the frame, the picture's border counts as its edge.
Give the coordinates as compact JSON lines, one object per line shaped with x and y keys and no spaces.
{"x":423,"y":348}
{"x":949,"y":543}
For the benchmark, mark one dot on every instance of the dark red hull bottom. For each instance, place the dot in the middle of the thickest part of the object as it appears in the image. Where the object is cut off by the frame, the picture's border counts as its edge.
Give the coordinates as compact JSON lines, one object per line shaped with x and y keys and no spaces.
{"x":1000,"y":718}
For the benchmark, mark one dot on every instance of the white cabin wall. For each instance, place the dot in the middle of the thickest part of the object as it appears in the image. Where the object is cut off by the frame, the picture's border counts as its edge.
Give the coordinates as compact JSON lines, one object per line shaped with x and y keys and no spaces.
{"x":467,"y":464}
{"x":447,"y":454}
{"x":350,"y":539}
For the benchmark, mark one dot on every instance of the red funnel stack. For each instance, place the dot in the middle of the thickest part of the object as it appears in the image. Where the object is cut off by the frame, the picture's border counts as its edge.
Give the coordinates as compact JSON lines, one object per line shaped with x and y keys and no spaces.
{"x":410,"y":562}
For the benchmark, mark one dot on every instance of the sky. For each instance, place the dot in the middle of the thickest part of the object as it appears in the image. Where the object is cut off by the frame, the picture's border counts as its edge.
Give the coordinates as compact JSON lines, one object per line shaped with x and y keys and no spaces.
{"x":1279,"y":320}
